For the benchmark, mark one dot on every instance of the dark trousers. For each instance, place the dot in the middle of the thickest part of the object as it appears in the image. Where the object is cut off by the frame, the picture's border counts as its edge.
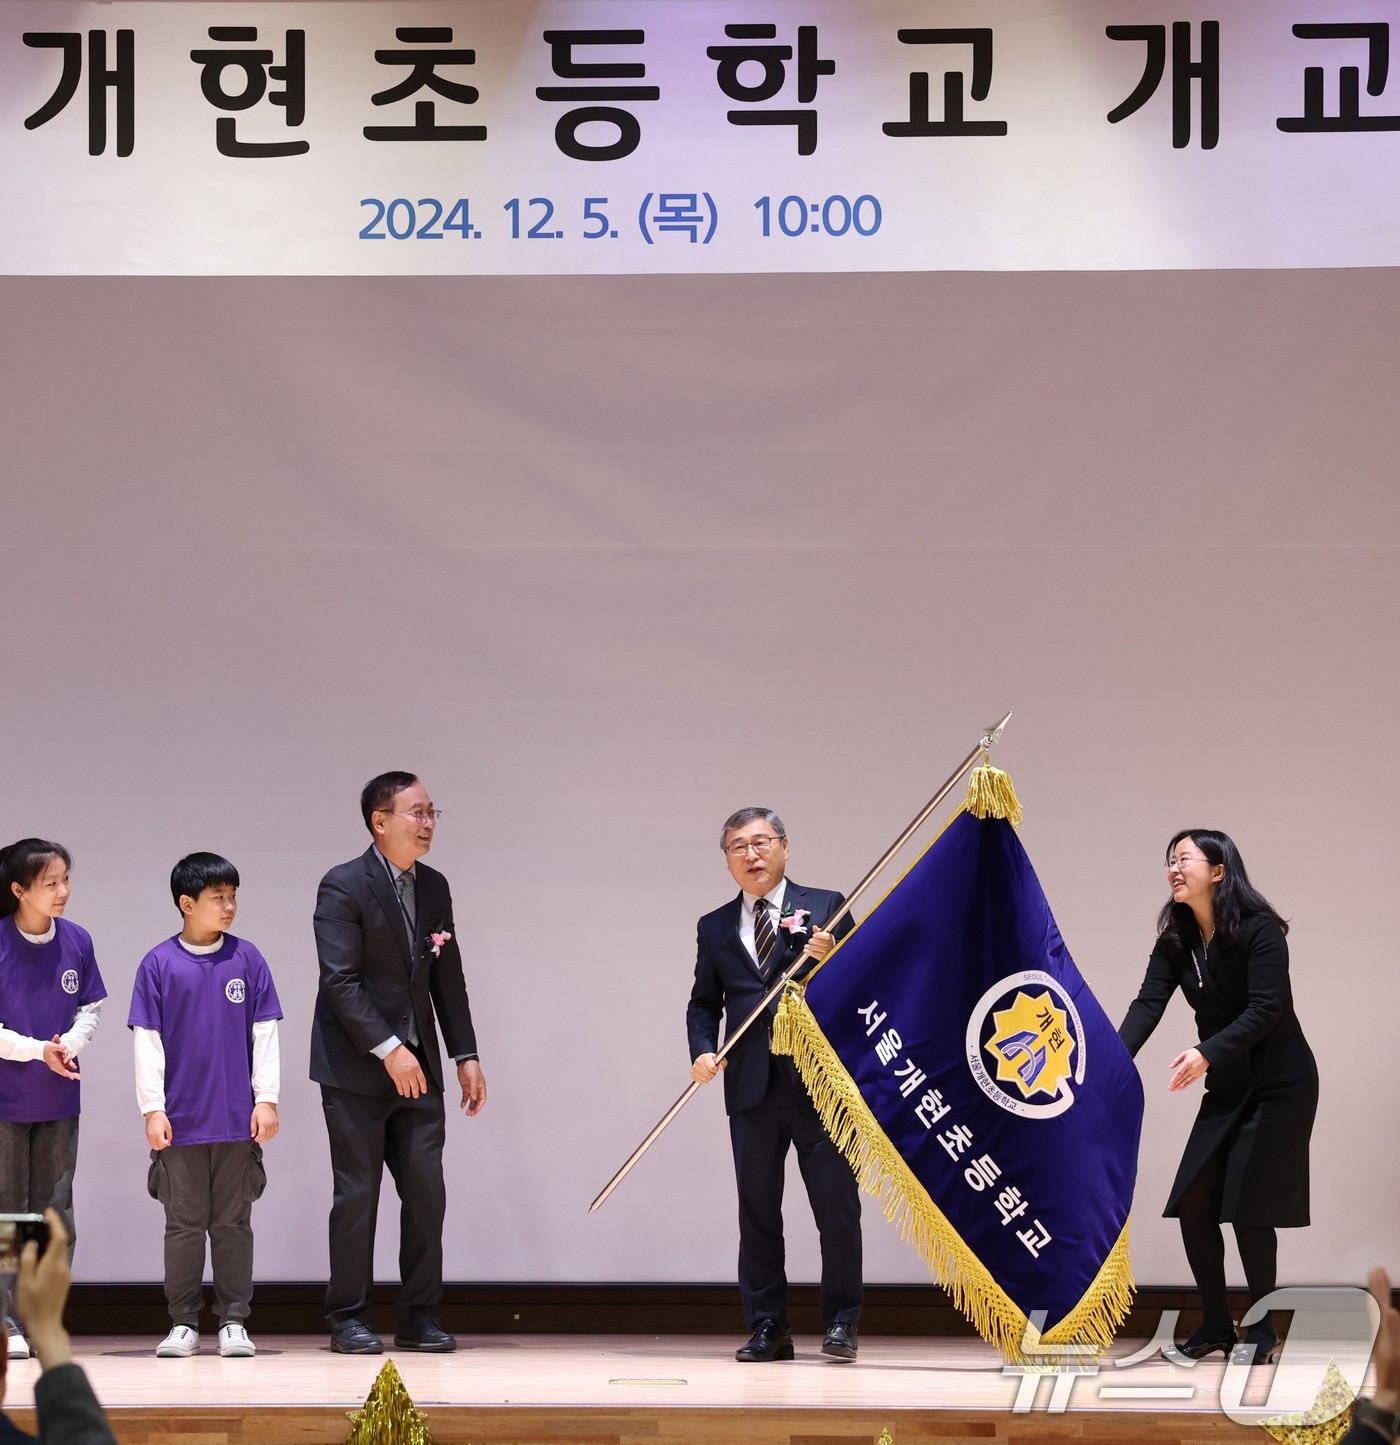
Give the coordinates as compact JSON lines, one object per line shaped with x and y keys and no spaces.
{"x":760,"y":1138}
{"x":368,"y":1131}
{"x":37,"y":1162}
{"x":208,"y":1191}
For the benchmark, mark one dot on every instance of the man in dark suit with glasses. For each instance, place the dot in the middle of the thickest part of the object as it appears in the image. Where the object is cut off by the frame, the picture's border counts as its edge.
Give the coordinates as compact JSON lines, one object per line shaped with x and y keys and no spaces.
{"x":391,"y":975}
{"x":741,"y":949}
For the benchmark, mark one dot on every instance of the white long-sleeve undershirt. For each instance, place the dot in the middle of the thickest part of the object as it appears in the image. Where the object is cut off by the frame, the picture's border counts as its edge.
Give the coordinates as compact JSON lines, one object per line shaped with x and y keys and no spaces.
{"x":20,"y":1048}
{"x":150,"y":1066}
{"x":267,"y":1062}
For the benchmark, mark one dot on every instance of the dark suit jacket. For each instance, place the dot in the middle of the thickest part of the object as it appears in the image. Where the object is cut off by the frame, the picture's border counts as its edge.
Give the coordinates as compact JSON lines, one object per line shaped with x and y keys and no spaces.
{"x":369,"y":974}
{"x":66,"y":1410}
{"x":727,"y":983}
{"x":1243,"y":1003}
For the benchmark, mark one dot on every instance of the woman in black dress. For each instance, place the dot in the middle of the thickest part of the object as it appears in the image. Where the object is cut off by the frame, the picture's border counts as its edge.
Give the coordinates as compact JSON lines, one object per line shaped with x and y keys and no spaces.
{"x":1246,"y":1162}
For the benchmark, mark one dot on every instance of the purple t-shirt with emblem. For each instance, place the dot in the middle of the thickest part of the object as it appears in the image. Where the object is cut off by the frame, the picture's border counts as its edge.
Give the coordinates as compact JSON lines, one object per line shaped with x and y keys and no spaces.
{"x":204,"y":1006}
{"x":42,"y":987}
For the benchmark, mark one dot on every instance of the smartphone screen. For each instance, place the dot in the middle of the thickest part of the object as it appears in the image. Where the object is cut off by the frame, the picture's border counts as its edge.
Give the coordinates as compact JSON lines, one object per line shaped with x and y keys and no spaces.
{"x":16,"y":1230}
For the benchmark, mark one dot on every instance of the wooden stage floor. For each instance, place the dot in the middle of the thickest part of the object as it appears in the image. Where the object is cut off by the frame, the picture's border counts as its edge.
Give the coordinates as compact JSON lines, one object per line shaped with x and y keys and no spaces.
{"x":661,"y":1390}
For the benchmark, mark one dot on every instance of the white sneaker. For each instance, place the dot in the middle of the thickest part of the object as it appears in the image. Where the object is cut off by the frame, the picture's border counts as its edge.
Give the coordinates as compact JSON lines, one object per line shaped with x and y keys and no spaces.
{"x":234,"y":1343}
{"x":181,"y":1342}
{"x":19,"y":1346}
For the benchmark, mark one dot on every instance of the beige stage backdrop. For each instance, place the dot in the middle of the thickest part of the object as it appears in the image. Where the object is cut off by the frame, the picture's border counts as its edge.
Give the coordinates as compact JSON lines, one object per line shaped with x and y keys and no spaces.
{"x":604,"y":558}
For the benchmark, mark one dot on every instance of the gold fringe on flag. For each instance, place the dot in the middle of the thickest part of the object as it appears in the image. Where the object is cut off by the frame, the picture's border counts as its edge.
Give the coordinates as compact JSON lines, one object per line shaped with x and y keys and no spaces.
{"x":389,"y":1416}
{"x":882,"y":1173}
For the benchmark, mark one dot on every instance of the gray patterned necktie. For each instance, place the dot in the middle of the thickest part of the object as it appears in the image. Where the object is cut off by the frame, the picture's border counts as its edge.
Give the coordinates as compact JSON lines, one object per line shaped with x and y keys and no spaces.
{"x":403,"y":886}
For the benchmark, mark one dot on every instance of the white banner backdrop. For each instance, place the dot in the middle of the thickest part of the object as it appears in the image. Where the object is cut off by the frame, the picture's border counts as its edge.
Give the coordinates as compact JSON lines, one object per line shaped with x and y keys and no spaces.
{"x":611,"y":136}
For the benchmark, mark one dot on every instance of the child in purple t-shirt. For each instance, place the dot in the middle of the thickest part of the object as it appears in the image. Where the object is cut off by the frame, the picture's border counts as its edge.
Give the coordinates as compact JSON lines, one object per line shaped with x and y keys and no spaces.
{"x":204,"y":1016}
{"x":50,"y":998}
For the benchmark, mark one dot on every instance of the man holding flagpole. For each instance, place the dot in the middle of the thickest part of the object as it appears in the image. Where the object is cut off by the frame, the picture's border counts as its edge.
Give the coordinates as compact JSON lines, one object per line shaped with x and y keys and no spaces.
{"x":741,"y":949}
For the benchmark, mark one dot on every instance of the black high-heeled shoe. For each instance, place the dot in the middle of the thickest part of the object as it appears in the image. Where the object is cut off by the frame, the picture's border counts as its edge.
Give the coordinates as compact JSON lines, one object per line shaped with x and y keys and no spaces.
{"x":1203,"y":1342}
{"x":1256,"y":1347}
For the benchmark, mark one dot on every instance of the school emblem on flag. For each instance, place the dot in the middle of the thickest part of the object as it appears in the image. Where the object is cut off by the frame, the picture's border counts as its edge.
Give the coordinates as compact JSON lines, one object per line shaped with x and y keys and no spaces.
{"x":1034,"y":1044}
{"x":963,"y":1067}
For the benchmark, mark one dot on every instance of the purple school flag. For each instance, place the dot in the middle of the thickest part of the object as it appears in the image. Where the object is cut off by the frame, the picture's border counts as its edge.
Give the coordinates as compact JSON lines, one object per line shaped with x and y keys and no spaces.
{"x":961,"y":1064}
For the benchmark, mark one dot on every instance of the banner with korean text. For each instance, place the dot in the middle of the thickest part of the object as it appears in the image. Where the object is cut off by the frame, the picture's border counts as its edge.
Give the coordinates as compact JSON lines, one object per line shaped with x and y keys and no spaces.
{"x":962,"y":1065}
{"x":493,"y":137}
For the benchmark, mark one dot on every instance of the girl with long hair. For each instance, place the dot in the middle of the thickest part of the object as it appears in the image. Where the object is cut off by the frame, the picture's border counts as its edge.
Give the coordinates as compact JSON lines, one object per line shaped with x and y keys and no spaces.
{"x":50,"y":998}
{"x":1223,"y":945}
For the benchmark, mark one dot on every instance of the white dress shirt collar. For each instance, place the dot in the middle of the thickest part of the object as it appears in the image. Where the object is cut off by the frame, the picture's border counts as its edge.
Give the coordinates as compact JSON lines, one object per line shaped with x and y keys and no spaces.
{"x":395,"y":872}
{"x":774,"y":896}
{"x":746,"y":912}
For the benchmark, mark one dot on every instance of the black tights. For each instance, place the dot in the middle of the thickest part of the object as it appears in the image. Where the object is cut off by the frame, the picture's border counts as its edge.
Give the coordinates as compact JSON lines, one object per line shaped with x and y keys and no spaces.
{"x":1205,"y":1252}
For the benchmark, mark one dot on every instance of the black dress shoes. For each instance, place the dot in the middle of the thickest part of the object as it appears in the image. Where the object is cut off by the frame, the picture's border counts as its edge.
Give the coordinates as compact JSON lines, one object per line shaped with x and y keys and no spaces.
{"x":1206,"y":1342}
{"x":839,"y":1342}
{"x":1256,"y":1347}
{"x":356,"y":1339}
{"x":426,"y":1336}
{"x":769,"y":1341}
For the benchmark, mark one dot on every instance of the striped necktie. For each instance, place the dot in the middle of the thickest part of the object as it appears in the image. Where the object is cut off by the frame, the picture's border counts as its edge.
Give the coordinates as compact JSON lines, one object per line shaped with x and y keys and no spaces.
{"x":764,"y":939}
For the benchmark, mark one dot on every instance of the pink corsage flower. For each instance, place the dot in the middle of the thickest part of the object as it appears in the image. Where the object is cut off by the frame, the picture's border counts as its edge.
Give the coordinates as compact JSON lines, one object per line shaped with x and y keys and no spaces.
{"x":796,"y":921}
{"x":438,"y":939}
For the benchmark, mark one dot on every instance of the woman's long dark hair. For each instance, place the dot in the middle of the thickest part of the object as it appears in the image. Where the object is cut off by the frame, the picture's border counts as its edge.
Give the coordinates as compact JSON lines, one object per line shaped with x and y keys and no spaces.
{"x":1236,"y":898}
{"x":22,"y":863}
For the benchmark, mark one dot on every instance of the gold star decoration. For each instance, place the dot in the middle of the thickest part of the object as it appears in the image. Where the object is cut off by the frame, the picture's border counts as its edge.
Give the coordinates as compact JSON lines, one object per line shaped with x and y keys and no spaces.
{"x":885,"y":1437}
{"x":389,"y":1416}
{"x":1326,"y":1422}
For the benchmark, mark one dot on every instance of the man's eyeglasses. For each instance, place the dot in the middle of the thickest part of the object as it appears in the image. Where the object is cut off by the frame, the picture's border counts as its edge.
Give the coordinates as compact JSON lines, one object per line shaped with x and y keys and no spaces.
{"x":421,"y":816}
{"x":762,"y":845}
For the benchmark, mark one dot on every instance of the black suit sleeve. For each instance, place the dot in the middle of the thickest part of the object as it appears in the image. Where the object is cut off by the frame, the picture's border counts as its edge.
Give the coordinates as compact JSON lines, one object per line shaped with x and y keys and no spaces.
{"x":1146,"y":1010}
{"x":67,"y":1411}
{"x":1362,"y":1433}
{"x":340,"y":952}
{"x":706,"y":1006}
{"x":449,"y":990}
{"x":1266,"y":979}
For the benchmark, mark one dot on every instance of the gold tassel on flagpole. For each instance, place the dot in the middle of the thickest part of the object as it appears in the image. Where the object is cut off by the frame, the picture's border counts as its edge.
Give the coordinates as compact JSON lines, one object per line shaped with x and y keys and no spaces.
{"x":991,"y":795}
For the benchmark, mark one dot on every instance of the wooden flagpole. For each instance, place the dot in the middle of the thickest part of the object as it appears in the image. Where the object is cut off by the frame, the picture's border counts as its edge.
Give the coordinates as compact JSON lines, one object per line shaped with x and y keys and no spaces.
{"x":992,"y":735}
